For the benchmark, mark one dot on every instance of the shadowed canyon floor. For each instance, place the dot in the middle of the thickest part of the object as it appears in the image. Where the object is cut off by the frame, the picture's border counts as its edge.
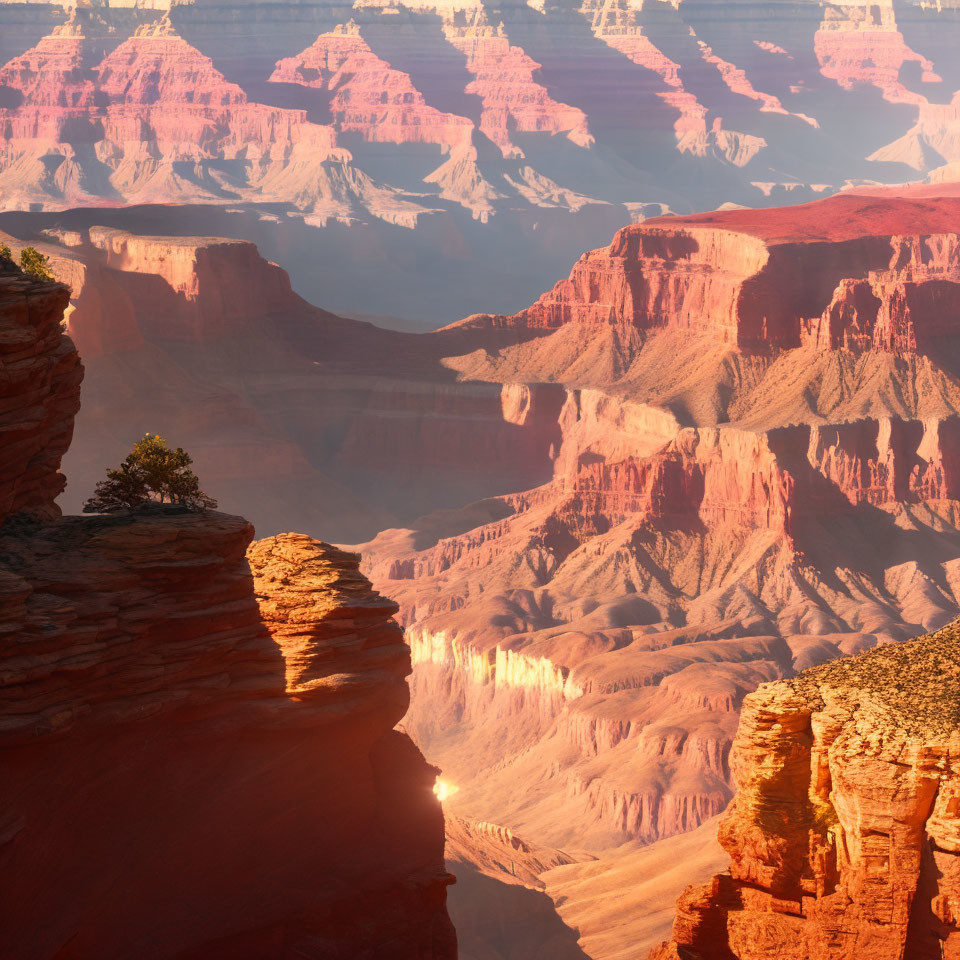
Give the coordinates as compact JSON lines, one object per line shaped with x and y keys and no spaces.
{"x":725,"y":449}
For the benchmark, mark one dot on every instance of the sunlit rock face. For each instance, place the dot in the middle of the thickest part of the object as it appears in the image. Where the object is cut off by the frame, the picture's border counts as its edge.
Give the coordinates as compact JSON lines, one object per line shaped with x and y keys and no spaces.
{"x":176,"y":706}
{"x":770,"y":278}
{"x":487,"y":110}
{"x":297,"y":415}
{"x":744,"y":485}
{"x":368,"y":97}
{"x":842,"y":834}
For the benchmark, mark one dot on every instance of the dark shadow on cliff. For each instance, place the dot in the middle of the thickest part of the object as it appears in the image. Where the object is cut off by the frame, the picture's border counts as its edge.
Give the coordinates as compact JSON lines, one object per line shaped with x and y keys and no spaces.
{"x":496,"y":920}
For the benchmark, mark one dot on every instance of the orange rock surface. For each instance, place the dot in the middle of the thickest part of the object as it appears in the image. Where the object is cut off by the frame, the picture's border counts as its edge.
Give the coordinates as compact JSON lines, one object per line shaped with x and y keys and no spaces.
{"x":843,"y":834}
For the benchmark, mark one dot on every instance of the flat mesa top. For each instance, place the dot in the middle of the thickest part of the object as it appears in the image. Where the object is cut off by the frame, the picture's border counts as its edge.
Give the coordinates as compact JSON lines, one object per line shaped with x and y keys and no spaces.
{"x":844,"y":216}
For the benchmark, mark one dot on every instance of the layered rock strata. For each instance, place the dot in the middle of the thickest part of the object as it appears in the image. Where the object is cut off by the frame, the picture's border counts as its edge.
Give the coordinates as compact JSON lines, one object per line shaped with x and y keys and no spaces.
{"x":724,"y":510}
{"x":762,"y":279}
{"x":843,"y":833}
{"x":81,"y":125}
{"x":367,"y":96}
{"x":197,"y":734}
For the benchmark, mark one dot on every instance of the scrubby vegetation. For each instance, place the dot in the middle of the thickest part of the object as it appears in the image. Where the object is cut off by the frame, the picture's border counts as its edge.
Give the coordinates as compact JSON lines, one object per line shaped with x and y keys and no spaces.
{"x":152,"y":472}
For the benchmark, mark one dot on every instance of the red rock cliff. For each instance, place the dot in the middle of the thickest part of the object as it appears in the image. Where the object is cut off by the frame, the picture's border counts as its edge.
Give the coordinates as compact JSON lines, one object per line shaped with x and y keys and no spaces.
{"x":843,"y":835}
{"x":847,"y":271}
{"x":40,"y":393}
{"x":196,"y":739}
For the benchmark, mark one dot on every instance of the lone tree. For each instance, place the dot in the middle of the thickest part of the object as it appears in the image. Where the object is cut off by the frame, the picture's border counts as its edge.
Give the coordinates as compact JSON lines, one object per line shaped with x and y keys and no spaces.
{"x":34,"y":263}
{"x":5,"y":252}
{"x":151,"y":473}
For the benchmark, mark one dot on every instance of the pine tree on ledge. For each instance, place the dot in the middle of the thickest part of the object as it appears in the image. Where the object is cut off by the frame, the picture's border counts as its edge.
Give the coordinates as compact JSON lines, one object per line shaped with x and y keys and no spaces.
{"x":152,"y":473}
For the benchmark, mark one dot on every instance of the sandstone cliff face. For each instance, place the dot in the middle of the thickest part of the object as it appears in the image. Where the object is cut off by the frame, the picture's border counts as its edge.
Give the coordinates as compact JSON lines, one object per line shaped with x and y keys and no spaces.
{"x":753,"y":281}
{"x":843,"y":832}
{"x":40,"y":393}
{"x":198,"y":735}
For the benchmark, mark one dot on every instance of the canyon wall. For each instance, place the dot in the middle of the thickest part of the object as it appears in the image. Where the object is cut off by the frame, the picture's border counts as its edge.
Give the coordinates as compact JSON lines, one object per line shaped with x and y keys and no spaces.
{"x":177,"y":704}
{"x":843,"y":834}
{"x":724,"y":511}
{"x":758,"y":281}
{"x":299,"y":416}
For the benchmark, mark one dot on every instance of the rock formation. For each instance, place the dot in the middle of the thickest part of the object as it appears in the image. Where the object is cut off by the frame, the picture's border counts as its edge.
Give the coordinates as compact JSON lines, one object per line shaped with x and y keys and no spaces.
{"x":40,"y":393}
{"x":367,"y":96}
{"x":612,"y":101}
{"x":843,"y":834}
{"x":504,"y":80}
{"x":743,"y":486}
{"x":829,"y":272}
{"x":128,"y":127}
{"x":197,"y":734}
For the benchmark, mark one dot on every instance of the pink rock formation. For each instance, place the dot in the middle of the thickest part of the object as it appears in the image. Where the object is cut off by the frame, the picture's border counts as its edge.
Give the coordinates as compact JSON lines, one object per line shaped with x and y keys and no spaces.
{"x":368,"y":96}
{"x":618,"y":24}
{"x":202,"y":740}
{"x":738,"y":81}
{"x":843,"y":834}
{"x":512,"y":98}
{"x":214,"y":287}
{"x":860,"y":44}
{"x":838,"y":271}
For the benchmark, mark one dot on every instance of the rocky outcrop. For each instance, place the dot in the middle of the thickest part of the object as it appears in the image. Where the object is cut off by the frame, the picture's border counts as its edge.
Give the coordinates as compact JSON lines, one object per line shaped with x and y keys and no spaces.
{"x":367,"y":96}
{"x":40,"y":393}
{"x":843,"y":832}
{"x":176,"y":709}
{"x":760,"y":279}
{"x":860,"y":44}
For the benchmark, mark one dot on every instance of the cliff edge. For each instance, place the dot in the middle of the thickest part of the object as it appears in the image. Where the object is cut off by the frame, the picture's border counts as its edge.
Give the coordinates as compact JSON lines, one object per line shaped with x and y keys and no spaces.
{"x":844,"y":835}
{"x":197,"y":753}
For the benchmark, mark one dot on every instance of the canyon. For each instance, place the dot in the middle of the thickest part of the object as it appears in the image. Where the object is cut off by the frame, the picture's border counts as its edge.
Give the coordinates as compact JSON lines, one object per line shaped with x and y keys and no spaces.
{"x":177,"y":702}
{"x":657,"y":521}
{"x":462,"y":137}
{"x":722,"y":451}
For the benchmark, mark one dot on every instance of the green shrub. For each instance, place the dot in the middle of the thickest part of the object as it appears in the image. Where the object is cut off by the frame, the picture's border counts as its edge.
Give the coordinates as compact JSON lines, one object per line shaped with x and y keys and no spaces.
{"x":35,"y":264}
{"x":152,"y":472}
